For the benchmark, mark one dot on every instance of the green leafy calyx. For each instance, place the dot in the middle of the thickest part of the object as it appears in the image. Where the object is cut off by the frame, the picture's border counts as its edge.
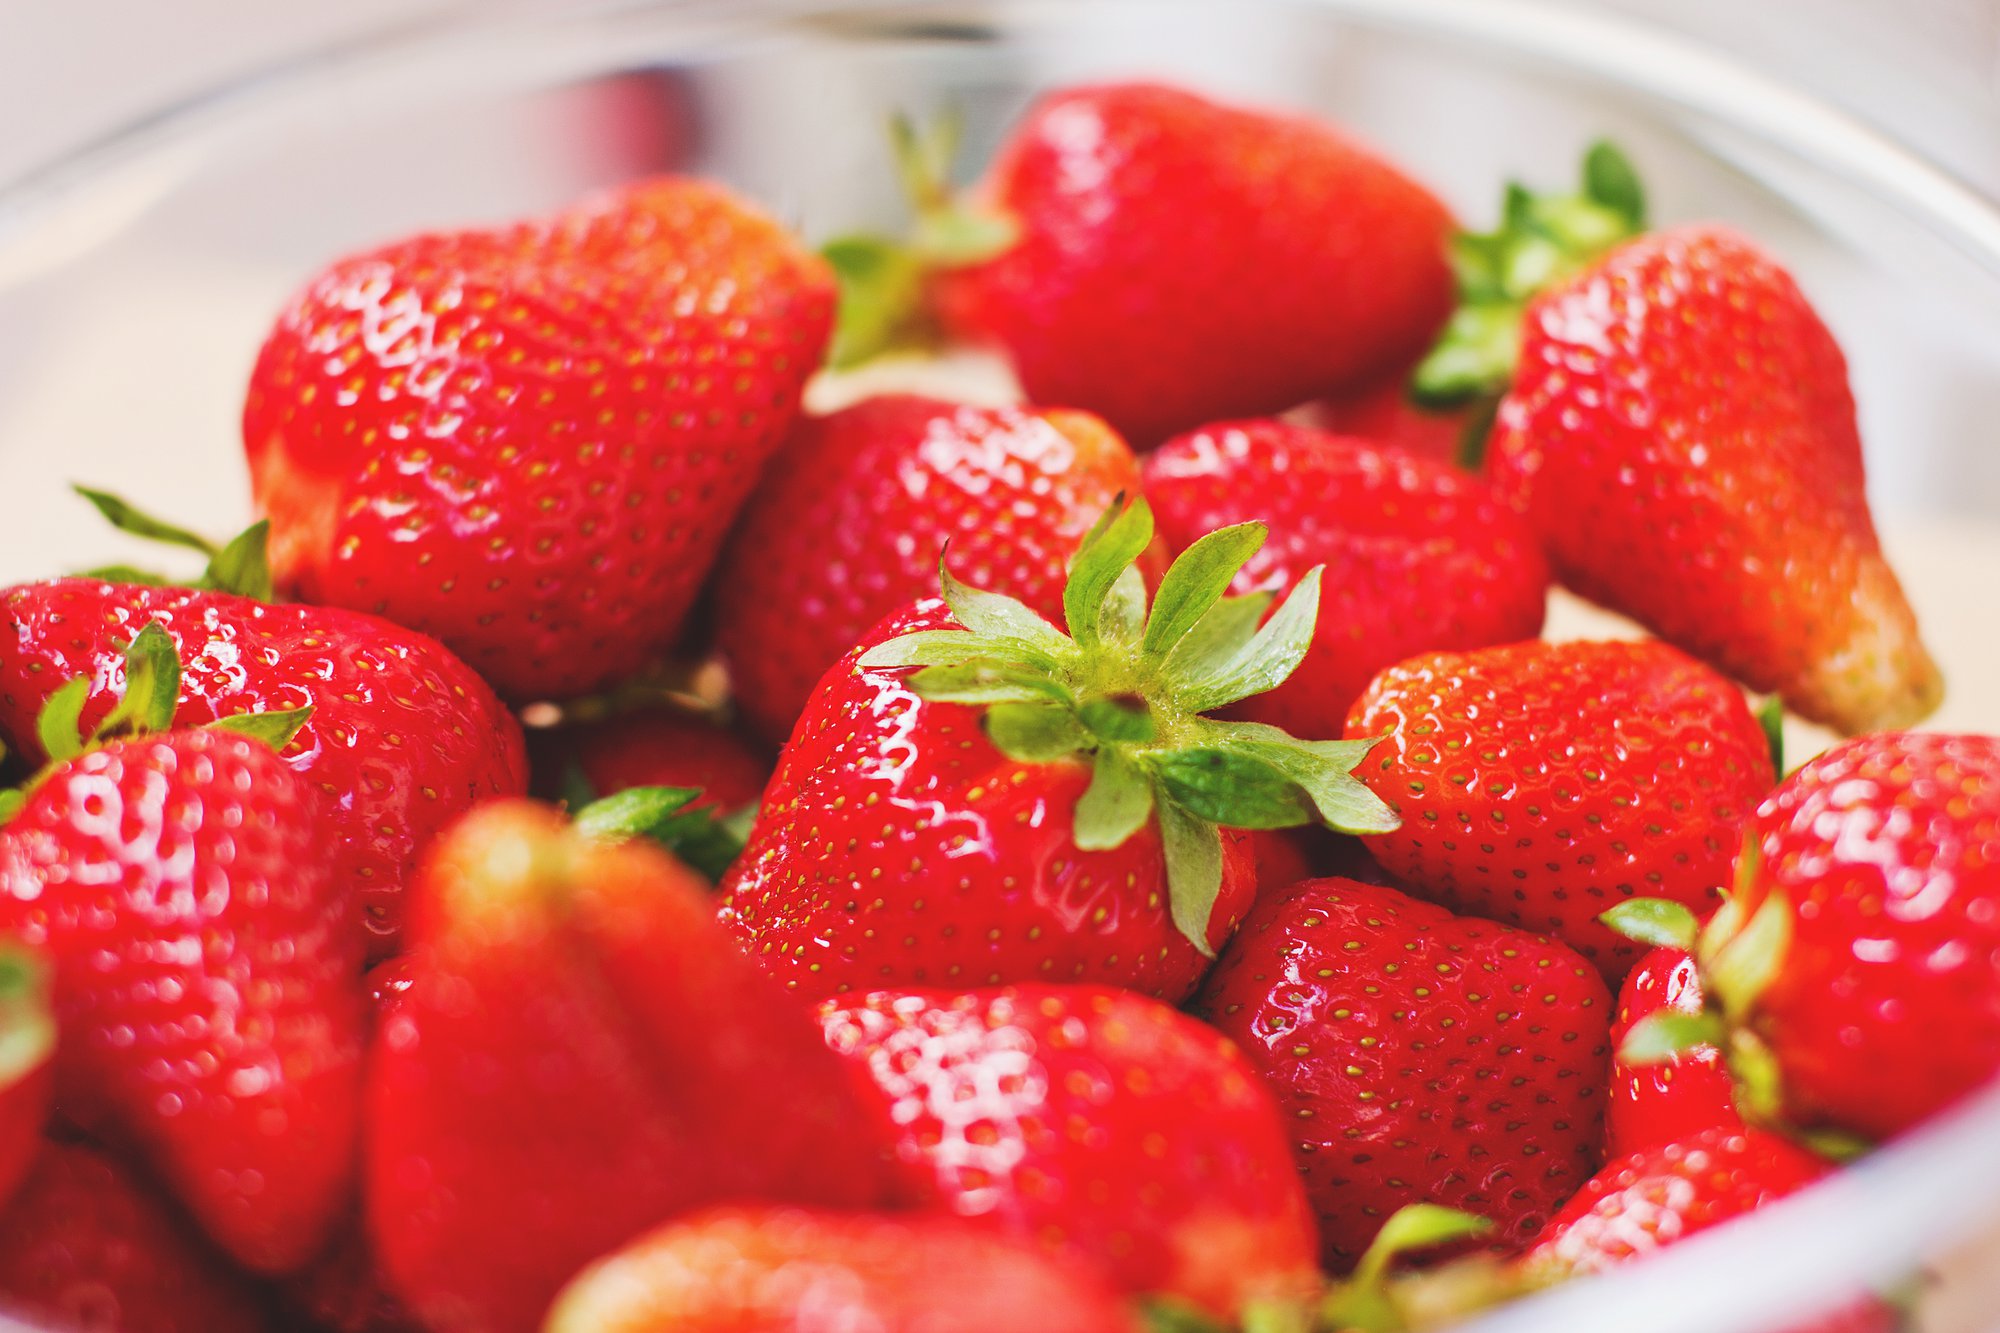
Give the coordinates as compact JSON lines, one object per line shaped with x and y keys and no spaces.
{"x":882,"y":278}
{"x":1127,"y":689}
{"x":27,"y":1020}
{"x":707,"y":839}
{"x":240,"y":565}
{"x":1541,"y":239}
{"x":1366,"y":1301}
{"x":146,"y":705}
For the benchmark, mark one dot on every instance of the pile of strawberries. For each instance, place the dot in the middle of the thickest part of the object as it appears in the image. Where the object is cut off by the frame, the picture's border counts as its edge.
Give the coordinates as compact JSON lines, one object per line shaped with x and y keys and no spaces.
{"x":1145,"y":871}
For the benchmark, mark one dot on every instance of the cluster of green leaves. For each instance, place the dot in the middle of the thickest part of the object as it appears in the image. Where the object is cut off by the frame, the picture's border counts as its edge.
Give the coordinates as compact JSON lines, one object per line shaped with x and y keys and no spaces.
{"x":707,"y":839}
{"x":240,"y":565}
{"x":1128,"y":686}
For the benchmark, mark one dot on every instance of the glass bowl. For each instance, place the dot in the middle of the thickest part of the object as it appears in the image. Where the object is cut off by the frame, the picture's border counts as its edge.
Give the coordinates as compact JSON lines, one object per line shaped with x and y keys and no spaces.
{"x":137,"y":277}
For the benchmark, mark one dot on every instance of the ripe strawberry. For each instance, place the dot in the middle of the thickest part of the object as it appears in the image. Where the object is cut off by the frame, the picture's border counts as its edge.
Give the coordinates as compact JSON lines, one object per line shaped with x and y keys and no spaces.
{"x":653,"y":747}
{"x":1540,"y":784}
{"x":1417,"y":554}
{"x":1666,"y":1193}
{"x":86,"y":1245}
{"x":206,"y":967}
{"x":1654,"y":1103}
{"x":848,"y":526}
{"x":1384,"y":412}
{"x":529,"y":441}
{"x":403,"y":736}
{"x":27,"y":1048}
{"x":1681,"y":434}
{"x":1078,"y":835}
{"x":580,"y":1055}
{"x":1417,"y":1056}
{"x":1853,"y":977}
{"x":1164,"y":260}
{"x":745,"y":1270}
{"x":1104,"y":1125}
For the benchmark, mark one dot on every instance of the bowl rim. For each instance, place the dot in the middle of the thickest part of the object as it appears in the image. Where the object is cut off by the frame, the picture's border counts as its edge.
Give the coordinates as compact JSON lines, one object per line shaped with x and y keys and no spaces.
{"x":1927,"y":1186}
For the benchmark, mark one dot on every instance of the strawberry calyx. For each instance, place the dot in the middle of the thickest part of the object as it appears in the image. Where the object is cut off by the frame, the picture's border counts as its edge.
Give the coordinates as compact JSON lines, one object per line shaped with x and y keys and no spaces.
{"x":146,"y":705}
{"x":1541,"y":239}
{"x":27,"y":1016}
{"x":882,"y":279}
{"x":1369,"y":1301}
{"x":1128,"y":688}
{"x":1738,"y":954}
{"x":241,"y":565}
{"x":707,"y":839}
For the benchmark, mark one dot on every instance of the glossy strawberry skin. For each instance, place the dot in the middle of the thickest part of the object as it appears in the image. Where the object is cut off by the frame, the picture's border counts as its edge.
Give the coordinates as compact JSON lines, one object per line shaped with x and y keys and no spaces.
{"x":584,"y":988}
{"x":1540,"y":784}
{"x":86,"y":1244}
{"x":1652,"y":1198}
{"x":1383,"y":413}
{"x":529,"y":441}
{"x":206,"y":977}
{"x":1180,"y":261}
{"x":1681,"y":434}
{"x":1656,"y":1104}
{"x":855,"y":509}
{"x":750,"y":1270}
{"x":1886,"y":1006}
{"x":403,"y":736}
{"x":653,"y":747}
{"x":1103,"y":1124}
{"x":1417,"y":554}
{"x":1417,"y":1056}
{"x":897,"y":848}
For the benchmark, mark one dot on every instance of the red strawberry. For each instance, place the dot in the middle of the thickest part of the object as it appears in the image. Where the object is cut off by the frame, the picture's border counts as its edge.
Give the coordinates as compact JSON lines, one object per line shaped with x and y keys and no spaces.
{"x":403,"y":736}
{"x":1175,"y":260}
{"x":1666,"y":1193}
{"x":1681,"y":434}
{"x":759,"y":1270}
{"x":1103,"y":1124}
{"x":1417,"y":1056}
{"x":654,"y":747}
{"x":1078,"y":835}
{"x":581,"y":1055}
{"x":85,"y":1245}
{"x":1540,"y":784}
{"x":206,"y":966}
{"x":1854,"y":975}
{"x":848,"y":524}
{"x":529,"y":441}
{"x":27,"y":1048}
{"x":1385,"y":413}
{"x":1655,"y":1103}
{"x":1417,"y":554}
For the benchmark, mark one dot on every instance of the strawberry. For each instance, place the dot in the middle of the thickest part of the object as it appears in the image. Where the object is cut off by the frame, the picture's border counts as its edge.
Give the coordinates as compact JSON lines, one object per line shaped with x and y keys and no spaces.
{"x":848,"y":524}
{"x":403,"y":736}
{"x":1681,"y":434}
{"x":1853,"y":978}
{"x":1666,"y":1193}
{"x":1078,"y":834}
{"x":27,"y":1048}
{"x":1384,"y":412}
{"x":1659,"y":1102}
{"x":1103,"y":1124}
{"x":1162,"y":259}
{"x":206,"y":969}
{"x":653,"y":747}
{"x":580,"y":1054}
{"x":529,"y":441}
{"x":1417,"y":1056}
{"x":1540,"y":784}
{"x":87,"y":1245}
{"x":1417,"y":555}
{"x":740,"y":1270}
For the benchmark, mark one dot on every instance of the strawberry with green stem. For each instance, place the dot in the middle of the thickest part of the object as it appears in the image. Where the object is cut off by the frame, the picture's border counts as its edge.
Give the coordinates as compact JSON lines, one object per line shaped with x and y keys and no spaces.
{"x":1852,"y":979}
{"x":1678,"y":427}
{"x":1029,"y":805}
{"x":206,"y":958}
